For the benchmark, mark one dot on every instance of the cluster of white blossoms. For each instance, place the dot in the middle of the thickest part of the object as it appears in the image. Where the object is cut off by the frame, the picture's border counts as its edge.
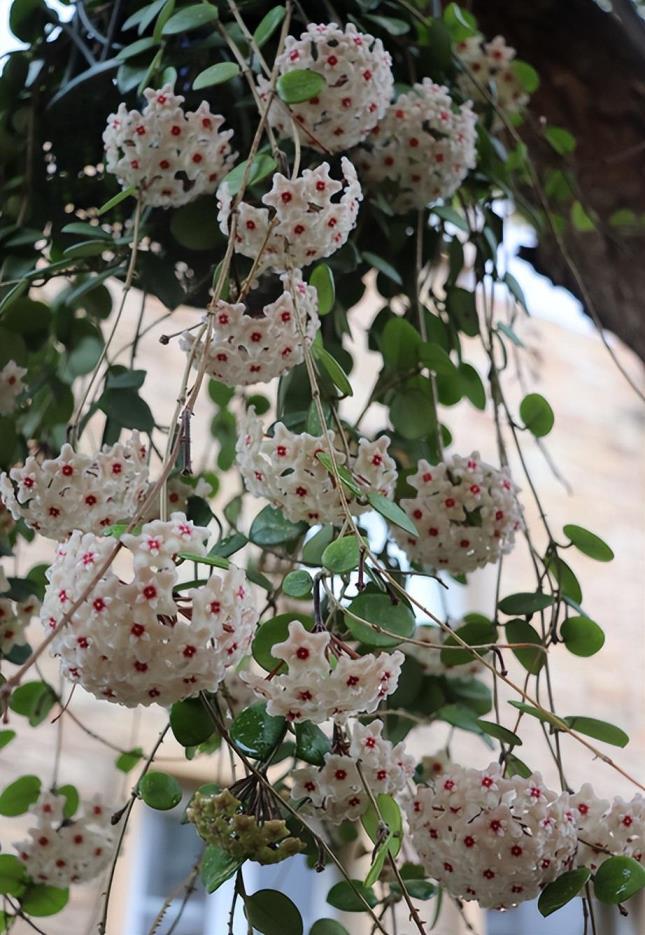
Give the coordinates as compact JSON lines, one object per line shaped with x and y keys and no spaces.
{"x":491,"y":65}
{"x":336,"y":791}
{"x":605,"y":828}
{"x":251,"y":344}
{"x":61,"y":851}
{"x":430,"y":657}
{"x":138,"y":642}
{"x":283,"y":468}
{"x":466,"y":513}
{"x":492,"y":839}
{"x":304,"y":224}
{"x":169,"y":156}
{"x":315,"y":688}
{"x":358,"y":86}
{"x":14,"y":617}
{"x":78,"y":491}
{"x":424,"y":147}
{"x":11,"y":386}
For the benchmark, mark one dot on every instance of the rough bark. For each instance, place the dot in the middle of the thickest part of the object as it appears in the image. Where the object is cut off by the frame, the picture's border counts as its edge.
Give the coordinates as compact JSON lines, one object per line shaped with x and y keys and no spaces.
{"x":592,"y":71}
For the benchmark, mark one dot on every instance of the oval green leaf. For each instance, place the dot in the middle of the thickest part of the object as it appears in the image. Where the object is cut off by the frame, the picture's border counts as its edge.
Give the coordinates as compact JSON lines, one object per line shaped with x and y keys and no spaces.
{"x":273,"y":913}
{"x":191,"y":17}
{"x":298,"y":584}
{"x":322,"y":279}
{"x":393,"y":622}
{"x":536,"y":414}
{"x":257,"y":733}
{"x":346,"y":896}
{"x":618,"y":879}
{"x":582,"y":636}
{"x":216,"y":74}
{"x":519,"y":631}
{"x":525,"y":603}
{"x":588,"y":543}
{"x":299,"y":85}
{"x":342,"y":555}
{"x":160,"y":791}
{"x":190,"y":722}
{"x":599,"y":730}
{"x":19,"y":795}
{"x":557,"y":894}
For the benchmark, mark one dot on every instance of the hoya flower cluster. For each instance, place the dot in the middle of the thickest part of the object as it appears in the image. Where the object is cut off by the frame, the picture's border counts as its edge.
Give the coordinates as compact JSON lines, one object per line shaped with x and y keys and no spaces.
{"x":423,"y":147}
{"x":78,"y":491}
{"x":138,"y":642}
{"x":466,"y":513}
{"x":256,"y":345}
{"x":220,"y":819}
{"x":491,"y":64}
{"x":358,"y":86}
{"x":170,"y":156}
{"x":11,"y":386}
{"x":306,"y":221}
{"x":605,"y":828}
{"x":429,"y":655}
{"x":284,"y":469}
{"x":492,"y":839}
{"x":336,"y":791}
{"x":60,"y":851}
{"x":14,"y":617}
{"x":315,"y":687}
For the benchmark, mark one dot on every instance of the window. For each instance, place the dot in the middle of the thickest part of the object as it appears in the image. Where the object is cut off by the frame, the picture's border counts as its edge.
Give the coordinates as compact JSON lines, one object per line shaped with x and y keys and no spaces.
{"x":165,"y":851}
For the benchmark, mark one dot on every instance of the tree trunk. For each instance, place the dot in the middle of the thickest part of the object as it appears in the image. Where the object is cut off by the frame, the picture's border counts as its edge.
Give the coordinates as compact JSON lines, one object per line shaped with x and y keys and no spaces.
{"x":592,"y":82}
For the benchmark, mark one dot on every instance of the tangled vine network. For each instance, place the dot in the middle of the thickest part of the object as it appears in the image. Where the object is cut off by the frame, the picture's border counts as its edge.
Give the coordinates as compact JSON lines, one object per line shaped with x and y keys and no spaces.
{"x":302,"y":645}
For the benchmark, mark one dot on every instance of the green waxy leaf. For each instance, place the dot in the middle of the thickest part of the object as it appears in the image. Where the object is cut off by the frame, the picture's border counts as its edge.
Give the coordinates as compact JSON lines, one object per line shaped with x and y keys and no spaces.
{"x":342,"y":555}
{"x":582,"y":636}
{"x":262,"y":166}
{"x":273,"y":913}
{"x":271,"y":528}
{"x":599,"y":730}
{"x":333,"y":369}
{"x":557,"y":894}
{"x":190,"y":722}
{"x":117,"y":199}
{"x":392,"y":512}
{"x":298,"y":584}
{"x":257,"y":733}
{"x":499,"y":733}
{"x":268,"y":25}
{"x":34,"y":700}
{"x":42,"y":900}
{"x":6,"y":736}
{"x":560,"y":139}
{"x":519,"y":631}
{"x":13,"y":875}
{"x":299,"y":85}
{"x":536,"y":414}
{"x":400,"y":342}
{"x":525,"y":603}
{"x":322,"y":279}
{"x":72,"y":799}
{"x":588,"y":543}
{"x":127,"y":761}
{"x":475,"y":633}
{"x":216,"y":74}
{"x":393,"y":622}
{"x":217,"y":867}
{"x":311,"y":743}
{"x":346,"y":896}
{"x":19,"y":795}
{"x":160,"y":791}
{"x":190,"y":17}
{"x":327,"y":927}
{"x":618,"y":879}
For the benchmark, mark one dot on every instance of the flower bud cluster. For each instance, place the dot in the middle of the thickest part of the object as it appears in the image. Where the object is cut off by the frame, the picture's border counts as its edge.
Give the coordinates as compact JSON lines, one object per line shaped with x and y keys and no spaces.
{"x":169,"y":156}
{"x":220,"y":819}
{"x":284,"y":469}
{"x":141,"y":642}
{"x":78,"y":491}
{"x":422,"y":149}
{"x":491,"y":64}
{"x":256,"y":346}
{"x":495,"y":840}
{"x":61,"y":851}
{"x":302,"y":221}
{"x":358,"y":86}
{"x":466,"y":513}
{"x":320,"y":685}
{"x":606,"y":828}
{"x":337,"y":792}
